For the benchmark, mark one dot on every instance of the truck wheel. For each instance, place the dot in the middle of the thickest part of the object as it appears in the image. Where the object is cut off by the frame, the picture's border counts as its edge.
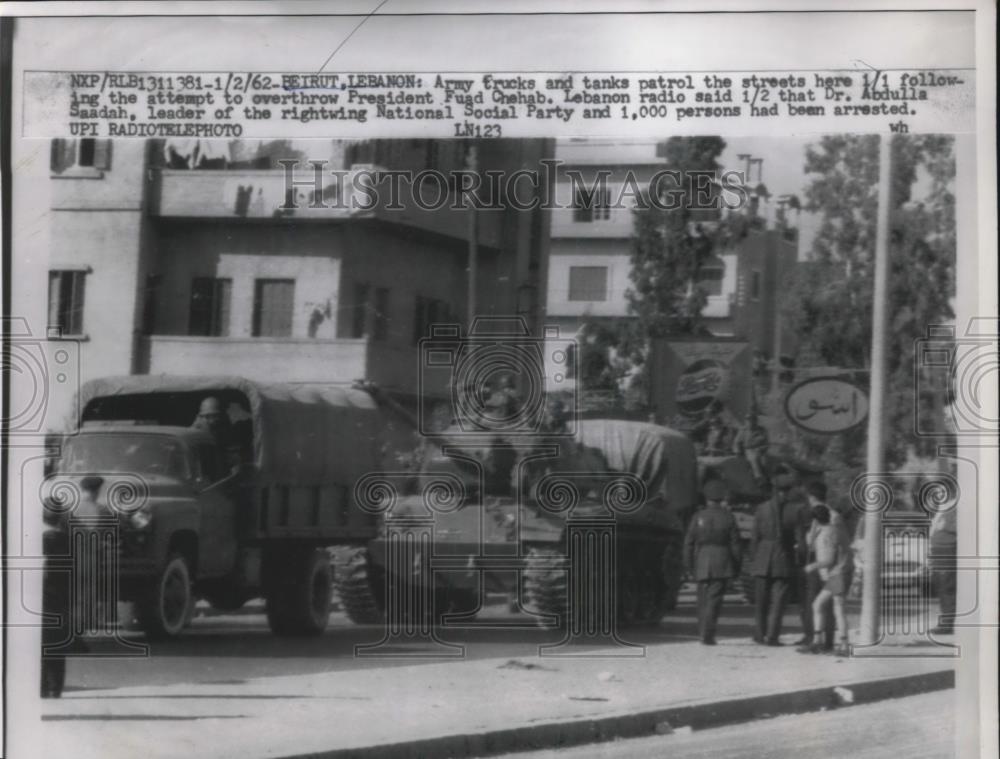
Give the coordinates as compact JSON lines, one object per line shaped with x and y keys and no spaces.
{"x":165,"y":610}
{"x":299,"y":602}
{"x":361,"y":593}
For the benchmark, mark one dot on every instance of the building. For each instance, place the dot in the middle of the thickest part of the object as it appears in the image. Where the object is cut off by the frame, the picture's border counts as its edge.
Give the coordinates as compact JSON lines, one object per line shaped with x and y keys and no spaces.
{"x":196,"y":257}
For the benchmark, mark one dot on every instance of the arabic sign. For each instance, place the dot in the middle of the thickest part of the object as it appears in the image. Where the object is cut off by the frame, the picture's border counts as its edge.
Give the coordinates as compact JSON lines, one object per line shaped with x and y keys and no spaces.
{"x":826,"y":405}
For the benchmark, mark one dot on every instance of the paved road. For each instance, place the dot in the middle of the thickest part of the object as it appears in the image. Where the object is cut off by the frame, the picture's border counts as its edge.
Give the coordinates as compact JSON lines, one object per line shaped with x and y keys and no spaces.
{"x":227,"y":649}
{"x":917,"y":727}
{"x":233,"y":648}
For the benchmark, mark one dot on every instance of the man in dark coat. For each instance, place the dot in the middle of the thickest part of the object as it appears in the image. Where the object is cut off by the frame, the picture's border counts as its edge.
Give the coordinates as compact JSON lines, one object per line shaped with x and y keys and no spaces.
{"x":772,"y":548}
{"x":712,"y":555}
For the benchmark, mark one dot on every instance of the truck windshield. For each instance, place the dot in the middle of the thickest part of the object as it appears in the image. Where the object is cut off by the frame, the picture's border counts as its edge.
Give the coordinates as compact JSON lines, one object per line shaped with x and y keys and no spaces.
{"x":131,"y":453}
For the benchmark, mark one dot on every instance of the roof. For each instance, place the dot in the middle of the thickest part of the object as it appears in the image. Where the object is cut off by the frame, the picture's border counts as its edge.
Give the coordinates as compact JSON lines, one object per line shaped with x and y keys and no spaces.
{"x":307,"y":434}
{"x":663,"y":458}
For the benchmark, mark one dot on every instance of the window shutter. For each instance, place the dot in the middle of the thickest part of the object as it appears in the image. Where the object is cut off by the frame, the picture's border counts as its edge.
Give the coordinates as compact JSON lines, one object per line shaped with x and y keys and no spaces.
{"x":78,"y":279}
{"x":63,"y":155}
{"x":102,"y":155}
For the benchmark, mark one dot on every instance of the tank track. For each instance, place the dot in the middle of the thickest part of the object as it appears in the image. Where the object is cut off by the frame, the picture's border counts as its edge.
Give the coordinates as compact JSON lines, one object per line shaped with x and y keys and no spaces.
{"x":649,"y":578}
{"x":355,"y":587}
{"x":545,"y":582}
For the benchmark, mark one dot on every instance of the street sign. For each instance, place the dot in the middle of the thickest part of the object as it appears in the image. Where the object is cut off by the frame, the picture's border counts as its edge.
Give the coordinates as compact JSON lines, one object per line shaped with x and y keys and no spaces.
{"x":826,"y":405}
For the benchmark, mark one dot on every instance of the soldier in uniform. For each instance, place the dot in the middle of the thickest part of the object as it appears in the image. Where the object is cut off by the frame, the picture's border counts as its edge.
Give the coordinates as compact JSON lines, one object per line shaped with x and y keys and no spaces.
{"x":776,"y":527}
{"x":214,"y":420}
{"x":712,"y":555}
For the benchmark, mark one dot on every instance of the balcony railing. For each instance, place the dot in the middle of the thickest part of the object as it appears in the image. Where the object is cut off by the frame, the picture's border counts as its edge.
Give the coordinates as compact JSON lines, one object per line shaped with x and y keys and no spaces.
{"x":287,"y":359}
{"x":264,"y":194}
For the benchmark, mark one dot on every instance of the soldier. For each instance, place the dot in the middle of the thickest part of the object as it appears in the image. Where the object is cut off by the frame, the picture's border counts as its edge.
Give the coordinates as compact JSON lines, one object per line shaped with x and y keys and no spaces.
{"x":775,"y":528}
{"x":712,"y":555}
{"x":215,"y":421}
{"x":752,"y":442}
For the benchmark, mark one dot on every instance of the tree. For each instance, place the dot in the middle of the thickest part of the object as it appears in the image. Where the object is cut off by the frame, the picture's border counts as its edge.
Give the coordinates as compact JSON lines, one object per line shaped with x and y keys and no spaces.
{"x":668,"y":247}
{"x":828,"y":301}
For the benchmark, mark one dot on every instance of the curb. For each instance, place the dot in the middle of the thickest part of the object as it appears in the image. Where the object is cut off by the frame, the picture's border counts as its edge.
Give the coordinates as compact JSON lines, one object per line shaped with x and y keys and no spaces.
{"x":647,"y":723}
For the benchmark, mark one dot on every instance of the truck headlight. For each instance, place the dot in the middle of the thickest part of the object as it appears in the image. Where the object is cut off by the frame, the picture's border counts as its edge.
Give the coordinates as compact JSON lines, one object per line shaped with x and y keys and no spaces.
{"x":140,"y":518}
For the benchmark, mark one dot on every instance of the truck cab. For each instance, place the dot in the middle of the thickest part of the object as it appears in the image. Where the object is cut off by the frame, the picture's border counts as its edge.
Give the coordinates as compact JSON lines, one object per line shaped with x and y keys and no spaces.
{"x":175,"y":505}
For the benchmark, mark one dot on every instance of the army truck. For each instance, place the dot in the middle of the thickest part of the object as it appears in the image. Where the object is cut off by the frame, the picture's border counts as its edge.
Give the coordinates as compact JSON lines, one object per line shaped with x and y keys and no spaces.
{"x":510,"y":532}
{"x":225,"y":517}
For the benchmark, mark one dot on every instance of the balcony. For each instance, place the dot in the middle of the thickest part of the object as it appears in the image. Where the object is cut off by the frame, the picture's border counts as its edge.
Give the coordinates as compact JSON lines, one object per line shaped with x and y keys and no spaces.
{"x":287,"y":359}
{"x":606,"y":152}
{"x":245,"y":193}
{"x":261,"y":194}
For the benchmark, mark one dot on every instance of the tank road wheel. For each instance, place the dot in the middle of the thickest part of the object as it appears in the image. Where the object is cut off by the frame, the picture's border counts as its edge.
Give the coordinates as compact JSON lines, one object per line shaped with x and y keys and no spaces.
{"x":746,"y":585}
{"x":361,"y":593}
{"x":546,"y":582}
{"x":629,"y":591}
{"x":164,"y":610}
{"x":298,"y":602}
{"x":652,"y":589}
{"x":672,"y":563}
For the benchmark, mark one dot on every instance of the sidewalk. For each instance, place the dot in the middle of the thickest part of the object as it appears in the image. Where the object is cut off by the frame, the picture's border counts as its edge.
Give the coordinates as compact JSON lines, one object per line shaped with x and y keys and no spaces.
{"x":471,"y":708}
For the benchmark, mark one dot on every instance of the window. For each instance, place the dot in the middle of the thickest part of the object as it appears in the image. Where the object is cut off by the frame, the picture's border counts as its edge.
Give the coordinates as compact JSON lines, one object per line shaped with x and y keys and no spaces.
{"x":66,"y":301}
{"x":381,"y":331}
{"x":151,"y":303}
{"x":86,"y":153}
{"x":755,"y":286}
{"x":427,"y":313}
{"x":588,"y":283}
{"x":710,"y":279}
{"x":359,"y":311}
{"x":592,"y":205}
{"x":571,"y":361}
{"x":272,"y":307}
{"x":209,"y":466}
{"x":210,"y":300}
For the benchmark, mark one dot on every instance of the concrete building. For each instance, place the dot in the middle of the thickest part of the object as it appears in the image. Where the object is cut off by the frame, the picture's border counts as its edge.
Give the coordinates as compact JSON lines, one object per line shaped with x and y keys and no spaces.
{"x":188,"y":258}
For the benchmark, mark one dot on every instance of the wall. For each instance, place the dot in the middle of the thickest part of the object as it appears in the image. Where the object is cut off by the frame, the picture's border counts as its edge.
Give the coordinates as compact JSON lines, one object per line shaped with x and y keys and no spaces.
{"x":408,"y":265}
{"x":308,"y":253}
{"x":97,"y":226}
{"x":615,"y":254}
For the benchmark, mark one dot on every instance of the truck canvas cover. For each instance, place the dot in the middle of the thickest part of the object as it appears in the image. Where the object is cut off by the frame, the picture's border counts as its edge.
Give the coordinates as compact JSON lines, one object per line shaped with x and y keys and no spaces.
{"x":662,"y":458}
{"x":307,"y":434}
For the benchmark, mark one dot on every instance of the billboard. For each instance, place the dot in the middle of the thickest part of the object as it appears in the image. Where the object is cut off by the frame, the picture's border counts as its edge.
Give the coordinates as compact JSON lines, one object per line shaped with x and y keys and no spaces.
{"x":689,"y":378}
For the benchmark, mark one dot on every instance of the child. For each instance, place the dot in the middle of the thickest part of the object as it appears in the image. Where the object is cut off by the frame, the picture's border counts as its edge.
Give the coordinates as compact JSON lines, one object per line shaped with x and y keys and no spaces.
{"x":835,"y":565}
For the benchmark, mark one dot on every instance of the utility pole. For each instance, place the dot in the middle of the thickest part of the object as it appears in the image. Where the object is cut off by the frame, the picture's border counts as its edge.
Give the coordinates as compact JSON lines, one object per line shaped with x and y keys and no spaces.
{"x":872,"y":588}
{"x":472,"y":165}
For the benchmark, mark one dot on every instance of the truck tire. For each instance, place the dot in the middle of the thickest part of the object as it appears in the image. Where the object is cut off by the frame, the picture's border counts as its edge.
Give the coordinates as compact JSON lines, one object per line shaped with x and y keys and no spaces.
{"x":359,"y":589}
{"x":298,"y":599}
{"x":165,"y":609}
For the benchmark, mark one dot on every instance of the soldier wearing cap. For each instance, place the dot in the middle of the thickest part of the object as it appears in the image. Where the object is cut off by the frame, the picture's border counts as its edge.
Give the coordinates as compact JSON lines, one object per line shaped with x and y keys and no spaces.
{"x":772,"y":550}
{"x":712,"y":555}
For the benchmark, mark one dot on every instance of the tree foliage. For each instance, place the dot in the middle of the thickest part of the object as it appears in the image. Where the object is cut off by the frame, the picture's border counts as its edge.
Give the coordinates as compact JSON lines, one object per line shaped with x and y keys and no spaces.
{"x":828,"y":303}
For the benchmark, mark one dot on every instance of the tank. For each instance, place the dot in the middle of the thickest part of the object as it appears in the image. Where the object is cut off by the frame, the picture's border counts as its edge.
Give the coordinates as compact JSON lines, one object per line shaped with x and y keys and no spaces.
{"x":521,"y":499}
